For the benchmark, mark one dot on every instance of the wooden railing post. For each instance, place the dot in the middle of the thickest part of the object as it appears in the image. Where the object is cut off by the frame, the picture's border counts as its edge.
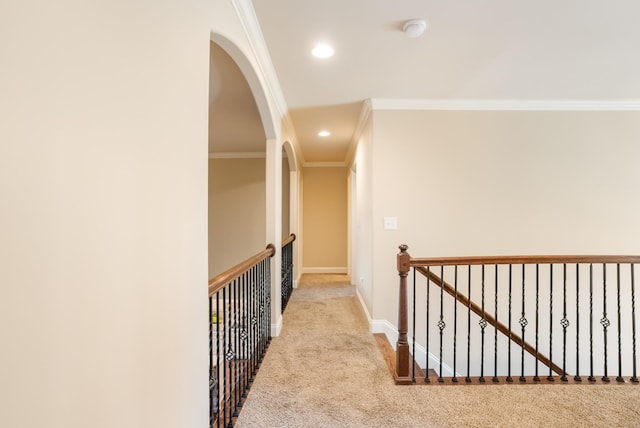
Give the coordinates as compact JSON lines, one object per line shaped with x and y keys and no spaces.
{"x":403,"y":358}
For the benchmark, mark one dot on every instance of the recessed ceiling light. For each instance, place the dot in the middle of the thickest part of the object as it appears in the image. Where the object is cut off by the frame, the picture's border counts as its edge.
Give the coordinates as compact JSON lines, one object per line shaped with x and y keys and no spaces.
{"x":322,"y":50}
{"x":324,"y":133}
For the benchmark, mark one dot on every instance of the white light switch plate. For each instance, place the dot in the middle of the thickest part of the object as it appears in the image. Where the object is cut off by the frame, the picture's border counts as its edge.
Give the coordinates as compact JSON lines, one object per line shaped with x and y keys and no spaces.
{"x":391,"y":223}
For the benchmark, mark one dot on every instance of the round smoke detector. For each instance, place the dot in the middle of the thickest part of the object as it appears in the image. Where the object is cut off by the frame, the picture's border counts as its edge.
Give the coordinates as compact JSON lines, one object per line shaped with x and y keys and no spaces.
{"x":414,"y":28}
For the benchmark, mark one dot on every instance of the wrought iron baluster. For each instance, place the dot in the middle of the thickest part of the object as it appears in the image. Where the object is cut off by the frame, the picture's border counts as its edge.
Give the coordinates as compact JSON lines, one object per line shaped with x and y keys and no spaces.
{"x":536,"y":376}
{"x":268,"y":262}
{"x":260,"y":314}
{"x":455,"y":321}
{"x":523,"y":323}
{"x":426,"y":375}
{"x":483,"y":325}
{"x":495,"y":329}
{"x":225,"y":373}
{"x":619,"y":377}
{"x":233,"y":358}
{"x":468,"y":377}
{"x":413,"y":330}
{"x":256,"y":318}
{"x":550,"y":377}
{"x":591,"y":377}
{"x":441,"y":323}
{"x":509,"y":378}
{"x":244,"y":334}
{"x":604,"y":321}
{"x":564,"y":322}
{"x":238,"y":346}
{"x":577,"y":377}
{"x":263,"y":310}
{"x":220,"y":377}
{"x":211,"y":378}
{"x":634,"y":378}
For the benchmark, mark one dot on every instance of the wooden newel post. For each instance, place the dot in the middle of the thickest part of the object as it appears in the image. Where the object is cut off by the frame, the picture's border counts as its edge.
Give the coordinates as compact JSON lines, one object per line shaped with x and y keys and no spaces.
{"x":403,"y":357}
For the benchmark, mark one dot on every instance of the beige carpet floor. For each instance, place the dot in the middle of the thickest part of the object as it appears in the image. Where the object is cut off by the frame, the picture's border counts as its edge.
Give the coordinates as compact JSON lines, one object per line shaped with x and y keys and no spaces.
{"x":325,"y":370}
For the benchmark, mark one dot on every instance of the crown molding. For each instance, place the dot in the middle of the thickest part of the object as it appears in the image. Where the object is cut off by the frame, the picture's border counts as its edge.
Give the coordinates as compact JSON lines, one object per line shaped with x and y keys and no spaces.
{"x":324,"y":164}
{"x":238,"y":155}
{"x":365,"y":112}
{"x":504,"y":105}
{"x":251,"y":27}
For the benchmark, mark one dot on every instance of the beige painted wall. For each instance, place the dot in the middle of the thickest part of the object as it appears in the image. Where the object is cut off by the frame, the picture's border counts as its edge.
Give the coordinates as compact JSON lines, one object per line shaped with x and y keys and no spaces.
{"x":237,"y":226}
{"x":103,"y":183}
{"x":324,"y":213}
{"x":491,"y":183}
{"x":362,"y":217}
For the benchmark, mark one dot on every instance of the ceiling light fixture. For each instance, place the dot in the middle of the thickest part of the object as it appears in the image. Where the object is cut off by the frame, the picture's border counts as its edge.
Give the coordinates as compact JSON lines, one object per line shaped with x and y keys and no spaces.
{"x":324,"y":133}
{"x":322,"y":50}
{"x":414,"y":28}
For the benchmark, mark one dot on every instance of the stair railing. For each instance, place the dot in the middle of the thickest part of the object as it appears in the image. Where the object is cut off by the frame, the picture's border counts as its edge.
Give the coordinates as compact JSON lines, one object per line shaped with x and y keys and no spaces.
{"x":581,"y":308}
{"x":239,"y":333}
{"x":287,"y":270}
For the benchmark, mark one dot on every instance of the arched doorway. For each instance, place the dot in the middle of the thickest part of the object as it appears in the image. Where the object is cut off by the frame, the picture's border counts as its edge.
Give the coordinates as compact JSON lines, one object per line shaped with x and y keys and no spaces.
{"x":246,"y":212}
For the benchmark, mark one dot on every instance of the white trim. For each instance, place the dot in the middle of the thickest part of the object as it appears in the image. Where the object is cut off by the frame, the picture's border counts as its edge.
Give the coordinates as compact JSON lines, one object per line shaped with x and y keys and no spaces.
{"x":277,"y":327}
{"x":499,"y":105}
{"x":324,"y":164}
{"x":295,"y":283}
{"x":364,"y":308}
{"x":342,"y":270}
{"x":238,"y":155}
{"x":384,"y":326}
{"x":251,"y":26}
{"x":357,"y":133}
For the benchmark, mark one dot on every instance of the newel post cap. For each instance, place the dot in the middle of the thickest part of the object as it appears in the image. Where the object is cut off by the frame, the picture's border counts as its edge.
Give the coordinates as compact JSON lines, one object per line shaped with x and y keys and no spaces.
{"x":404,"y":259}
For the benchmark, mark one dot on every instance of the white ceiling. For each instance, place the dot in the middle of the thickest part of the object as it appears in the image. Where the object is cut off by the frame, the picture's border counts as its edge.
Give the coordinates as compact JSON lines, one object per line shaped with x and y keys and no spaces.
{"x":472,"y":50}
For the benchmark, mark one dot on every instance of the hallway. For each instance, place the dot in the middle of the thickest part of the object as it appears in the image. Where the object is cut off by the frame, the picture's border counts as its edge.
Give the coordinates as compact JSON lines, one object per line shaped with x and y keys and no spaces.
{"x":325,"y":370}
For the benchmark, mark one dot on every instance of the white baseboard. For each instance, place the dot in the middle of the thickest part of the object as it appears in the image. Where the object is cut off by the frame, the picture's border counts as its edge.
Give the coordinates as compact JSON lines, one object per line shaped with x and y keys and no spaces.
{"x":277,"y":327}
{"x":384,"y":326}
{"x":324,"y":270}
{"x":364,"y":308}
{"x":295,"y":283}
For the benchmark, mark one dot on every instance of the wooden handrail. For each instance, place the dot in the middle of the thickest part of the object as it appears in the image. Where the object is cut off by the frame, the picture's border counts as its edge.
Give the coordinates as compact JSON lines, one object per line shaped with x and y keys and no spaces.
{"x":289,"y":240}
{"x":476,"y":309}
{"x":219,"y":281}
{"x":513,"y":260}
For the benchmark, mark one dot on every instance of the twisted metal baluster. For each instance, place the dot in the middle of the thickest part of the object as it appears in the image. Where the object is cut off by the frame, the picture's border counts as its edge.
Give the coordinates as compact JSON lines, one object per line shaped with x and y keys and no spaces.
{"x":441,"y":323}
{"x":523,"y":323}
{"x":483,"y":325}
{"x":564,"y":322}
{"x":605,"y":322}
